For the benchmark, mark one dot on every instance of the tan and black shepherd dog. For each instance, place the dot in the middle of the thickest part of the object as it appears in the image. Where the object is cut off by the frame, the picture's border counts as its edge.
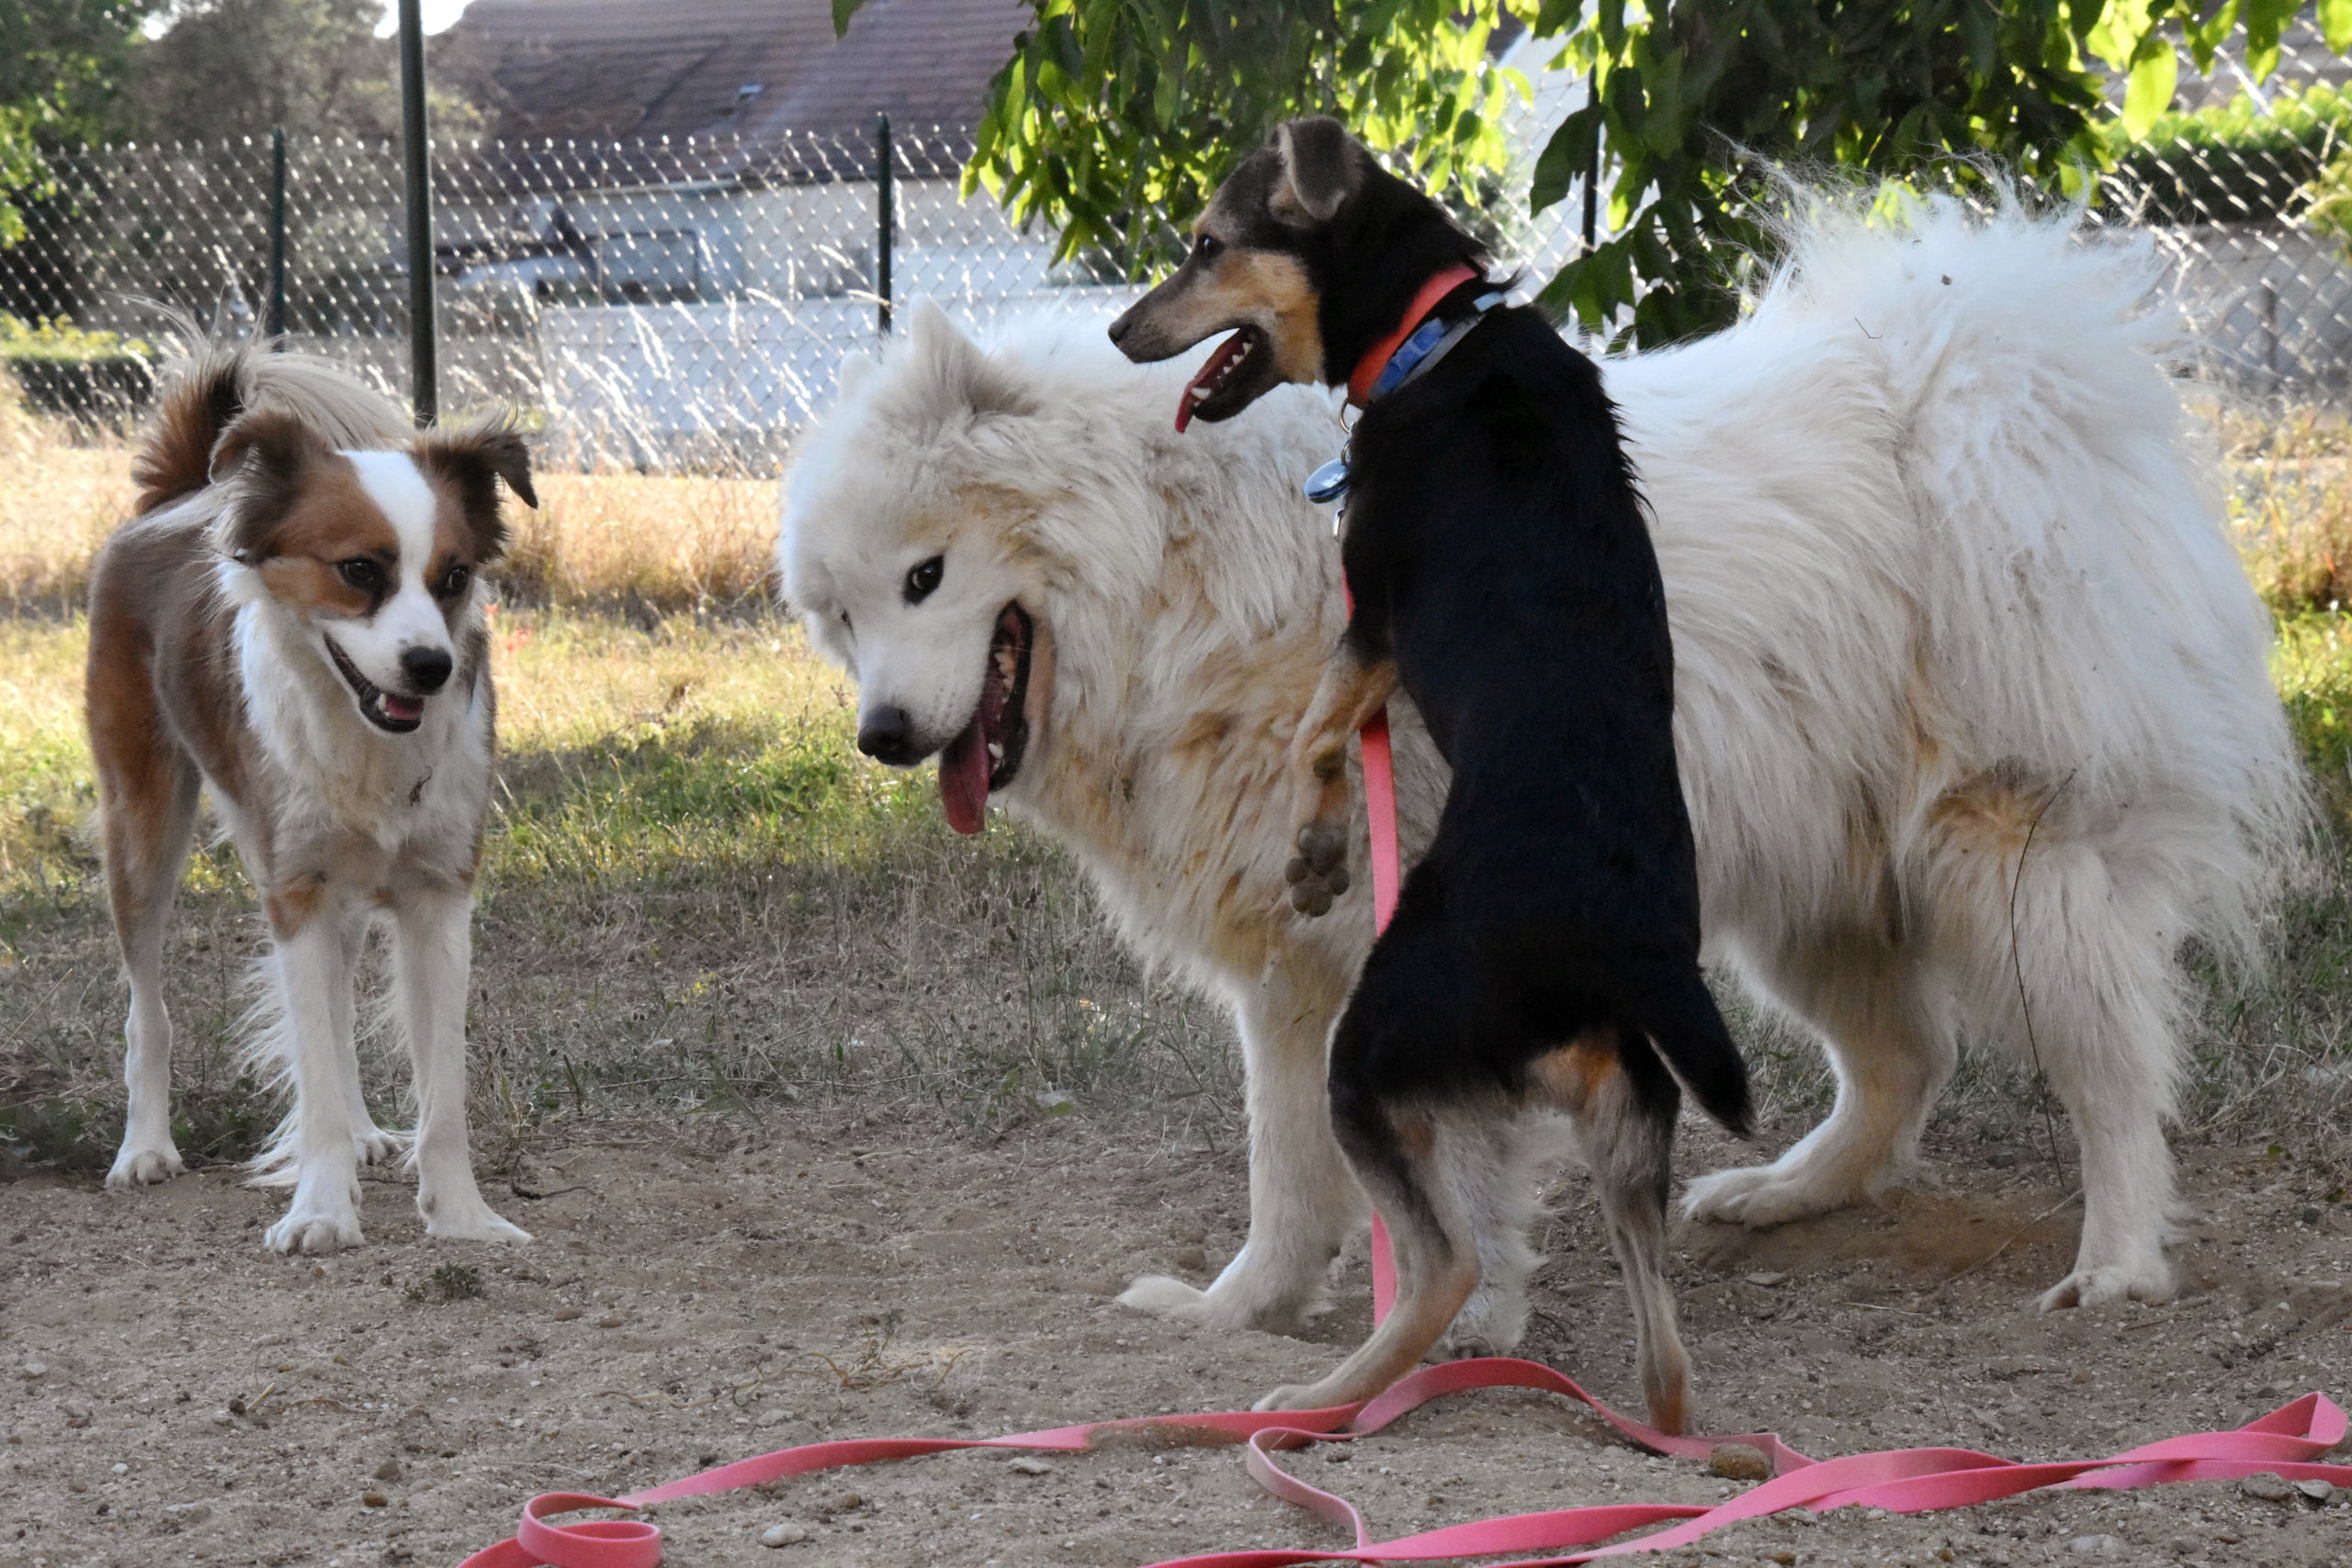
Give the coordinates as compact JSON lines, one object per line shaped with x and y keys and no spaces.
{"x":1544,"y":960}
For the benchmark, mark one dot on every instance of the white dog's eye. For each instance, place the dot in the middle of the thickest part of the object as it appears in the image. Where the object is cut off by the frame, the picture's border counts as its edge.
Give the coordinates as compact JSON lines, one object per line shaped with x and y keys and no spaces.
{"x":924,"y":578}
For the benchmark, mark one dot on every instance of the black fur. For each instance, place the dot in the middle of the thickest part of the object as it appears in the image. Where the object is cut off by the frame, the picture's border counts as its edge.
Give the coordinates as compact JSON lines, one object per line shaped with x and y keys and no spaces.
{"x":1497,"y":550}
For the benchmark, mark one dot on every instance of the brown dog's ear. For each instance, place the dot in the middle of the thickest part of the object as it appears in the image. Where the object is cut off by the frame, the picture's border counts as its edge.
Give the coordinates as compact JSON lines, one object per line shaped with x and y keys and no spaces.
{"x":472,"y":461}
{"x":1322,"y":166}
{"x":261,"y":459}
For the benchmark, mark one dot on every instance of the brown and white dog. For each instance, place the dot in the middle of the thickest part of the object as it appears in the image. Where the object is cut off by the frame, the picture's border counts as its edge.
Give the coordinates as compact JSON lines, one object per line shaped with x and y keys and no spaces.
{"x":294,"y":620}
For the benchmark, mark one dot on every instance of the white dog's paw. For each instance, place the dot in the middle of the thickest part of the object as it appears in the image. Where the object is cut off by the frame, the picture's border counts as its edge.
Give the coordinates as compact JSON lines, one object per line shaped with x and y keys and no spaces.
{"x":377,"y":1147}
{"x":1293,"y":1396}
{"x":144,"y":1167}
{"x":1764,"y":1195}
{"x":315,"y":1234}
{"x":468,"y":1222}
{"x":2147,"y":1281}
{"x":1163,"y":1297}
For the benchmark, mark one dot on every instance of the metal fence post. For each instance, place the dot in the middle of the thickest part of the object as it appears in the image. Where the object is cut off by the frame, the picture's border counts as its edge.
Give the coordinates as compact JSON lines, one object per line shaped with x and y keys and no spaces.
{"x":886,"y":223}
{"x":1592,"y":166}
{"x":423,"y":371}
{"x":277,"y":233}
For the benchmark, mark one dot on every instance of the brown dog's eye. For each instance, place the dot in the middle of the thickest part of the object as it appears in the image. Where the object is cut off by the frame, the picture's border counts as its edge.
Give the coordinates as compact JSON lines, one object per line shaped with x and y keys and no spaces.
{"x":362,"y":574}
{"x":1205,"y":247}
{"x":454,"y":581}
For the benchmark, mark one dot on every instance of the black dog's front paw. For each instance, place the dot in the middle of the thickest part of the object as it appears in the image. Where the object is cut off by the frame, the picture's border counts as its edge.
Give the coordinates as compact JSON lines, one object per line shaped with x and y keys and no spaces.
{"x":1319,"y":873}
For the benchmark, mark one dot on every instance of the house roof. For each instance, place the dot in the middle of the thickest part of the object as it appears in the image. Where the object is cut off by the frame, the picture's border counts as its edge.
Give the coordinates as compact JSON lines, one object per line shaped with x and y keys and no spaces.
{"x":762,"y":69}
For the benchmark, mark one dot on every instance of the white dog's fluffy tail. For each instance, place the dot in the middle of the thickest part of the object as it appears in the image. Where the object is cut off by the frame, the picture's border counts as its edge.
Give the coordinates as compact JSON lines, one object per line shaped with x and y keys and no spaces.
{"x":2083,"y":608}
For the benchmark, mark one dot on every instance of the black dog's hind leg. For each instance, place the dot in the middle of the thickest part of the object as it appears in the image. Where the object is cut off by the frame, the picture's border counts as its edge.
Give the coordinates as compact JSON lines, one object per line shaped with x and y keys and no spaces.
{"x":1622,"y":1102}
{"x":1352,"y":688}
{"x":1418,"y":1163}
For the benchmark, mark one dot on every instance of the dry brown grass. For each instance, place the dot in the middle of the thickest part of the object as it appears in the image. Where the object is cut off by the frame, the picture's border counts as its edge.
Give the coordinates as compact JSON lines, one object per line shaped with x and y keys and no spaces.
{"x":641,"y":543}
{"x":58,"y":502}
{"x":670,"y":543}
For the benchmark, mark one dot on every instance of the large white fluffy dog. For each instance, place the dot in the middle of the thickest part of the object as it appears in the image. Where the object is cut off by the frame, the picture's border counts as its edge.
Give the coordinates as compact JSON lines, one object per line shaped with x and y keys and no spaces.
{"x":1972,"y":705}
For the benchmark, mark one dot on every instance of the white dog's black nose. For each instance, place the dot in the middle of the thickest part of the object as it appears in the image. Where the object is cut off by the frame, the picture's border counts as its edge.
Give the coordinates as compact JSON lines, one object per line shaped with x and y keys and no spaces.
{"x":427,"y":668}
{"x":887,"y":735}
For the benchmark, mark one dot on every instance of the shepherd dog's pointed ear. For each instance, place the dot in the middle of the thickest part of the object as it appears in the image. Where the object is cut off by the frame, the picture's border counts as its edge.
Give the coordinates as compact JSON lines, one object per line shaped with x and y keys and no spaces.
{"x":261,"y":460}
{"x":1322,"y":166}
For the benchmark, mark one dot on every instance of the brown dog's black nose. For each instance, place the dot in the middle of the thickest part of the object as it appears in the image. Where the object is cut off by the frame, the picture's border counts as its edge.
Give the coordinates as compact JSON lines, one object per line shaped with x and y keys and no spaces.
{"x":427,"y":668}
{"x":887,"y":735}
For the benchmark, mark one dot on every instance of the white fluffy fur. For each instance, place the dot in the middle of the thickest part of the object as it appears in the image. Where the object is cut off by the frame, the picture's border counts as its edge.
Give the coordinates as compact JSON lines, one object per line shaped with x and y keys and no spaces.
{"x":1945,"y":575}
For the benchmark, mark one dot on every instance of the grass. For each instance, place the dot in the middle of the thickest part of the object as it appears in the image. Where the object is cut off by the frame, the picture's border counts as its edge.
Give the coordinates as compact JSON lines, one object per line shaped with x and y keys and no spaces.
{"x":697,"y":900}
{"x":700,"y":904}
{"x":641,"y":544}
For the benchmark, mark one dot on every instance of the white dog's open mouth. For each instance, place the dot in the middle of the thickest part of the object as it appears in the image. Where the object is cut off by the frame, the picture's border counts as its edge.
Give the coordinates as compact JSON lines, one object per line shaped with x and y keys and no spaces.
{"x":379,"y":708}
{"x":987,"y":756}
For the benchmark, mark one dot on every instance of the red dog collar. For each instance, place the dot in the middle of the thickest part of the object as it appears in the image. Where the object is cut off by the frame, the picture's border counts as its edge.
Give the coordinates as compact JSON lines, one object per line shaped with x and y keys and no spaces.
{"x":1377,"y":358}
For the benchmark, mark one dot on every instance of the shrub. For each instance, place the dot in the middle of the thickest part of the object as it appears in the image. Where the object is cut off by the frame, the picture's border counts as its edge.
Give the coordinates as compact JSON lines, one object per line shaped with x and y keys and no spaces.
{"x":92,"y":376}
{"x":2233,"y":163}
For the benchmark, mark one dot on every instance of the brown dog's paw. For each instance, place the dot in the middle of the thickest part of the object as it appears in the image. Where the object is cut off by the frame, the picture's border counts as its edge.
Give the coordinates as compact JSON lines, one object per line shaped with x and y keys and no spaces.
{"x":1319,"y":872}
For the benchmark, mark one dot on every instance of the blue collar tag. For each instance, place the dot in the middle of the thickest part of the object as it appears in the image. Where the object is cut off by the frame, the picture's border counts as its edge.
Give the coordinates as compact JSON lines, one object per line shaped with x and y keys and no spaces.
{"x":1329,"y":482}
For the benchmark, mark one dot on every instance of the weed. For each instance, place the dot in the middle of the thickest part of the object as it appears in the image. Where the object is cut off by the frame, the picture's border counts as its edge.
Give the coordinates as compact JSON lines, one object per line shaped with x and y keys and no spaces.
{"x":449,"y":1282}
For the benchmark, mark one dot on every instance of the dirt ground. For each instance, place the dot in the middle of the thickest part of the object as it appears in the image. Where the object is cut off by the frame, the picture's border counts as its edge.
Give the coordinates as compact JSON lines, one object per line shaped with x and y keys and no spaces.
{"x":173,"y":1393}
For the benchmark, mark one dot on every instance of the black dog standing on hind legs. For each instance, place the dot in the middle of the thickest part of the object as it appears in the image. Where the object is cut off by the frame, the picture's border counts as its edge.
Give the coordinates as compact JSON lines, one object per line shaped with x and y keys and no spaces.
{"x":1544,"y":952}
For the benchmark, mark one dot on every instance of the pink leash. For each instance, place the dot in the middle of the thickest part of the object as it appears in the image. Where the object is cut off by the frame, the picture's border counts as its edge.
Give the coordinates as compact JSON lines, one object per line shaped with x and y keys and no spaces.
{"x":1902,"y":1481}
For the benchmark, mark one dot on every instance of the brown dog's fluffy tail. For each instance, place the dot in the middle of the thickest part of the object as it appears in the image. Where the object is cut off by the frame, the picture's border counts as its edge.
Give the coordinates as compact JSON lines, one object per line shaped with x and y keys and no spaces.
{"x":205,"y":398}
{"x":209,"y":385}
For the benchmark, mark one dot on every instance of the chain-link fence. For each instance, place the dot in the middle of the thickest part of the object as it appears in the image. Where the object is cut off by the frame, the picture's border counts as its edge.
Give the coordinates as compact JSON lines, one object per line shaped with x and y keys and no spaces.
{"x":686,"y":304}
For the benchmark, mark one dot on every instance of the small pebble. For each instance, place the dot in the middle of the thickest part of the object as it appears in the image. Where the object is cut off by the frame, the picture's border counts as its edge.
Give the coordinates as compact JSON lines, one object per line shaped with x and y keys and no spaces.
{"x":373,"y":1500}
{"x":2094,"y":1545}
{"x":1192,"y":1259}
{"x":77,"y":1415}
{"x":608,"y":1323}
{"x":1027,"y":1466}
{"x":775,"y":1418}
{"x":122,"y":1469}
{"x":33,"y":1368}
{"x":389,"y":1470}
{"x":1740,"y":1462}
{"x":565,"y":1314}
{"x":2268,"y":1485}
{"x":2317,"y":1491}
{"x":786,"y":1534}
{"x":1768,"y":1279}
{"x":1785,"y":1558}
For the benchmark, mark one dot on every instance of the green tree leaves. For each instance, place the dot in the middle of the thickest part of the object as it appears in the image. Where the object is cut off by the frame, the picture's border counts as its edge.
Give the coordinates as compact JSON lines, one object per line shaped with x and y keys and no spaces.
{"x":1116,"y":117}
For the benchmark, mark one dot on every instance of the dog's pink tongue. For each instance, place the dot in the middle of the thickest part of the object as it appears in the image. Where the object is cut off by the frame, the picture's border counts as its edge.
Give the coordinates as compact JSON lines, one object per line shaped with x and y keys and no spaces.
{"x":405,"y":709}
{"x":964,"y":780}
